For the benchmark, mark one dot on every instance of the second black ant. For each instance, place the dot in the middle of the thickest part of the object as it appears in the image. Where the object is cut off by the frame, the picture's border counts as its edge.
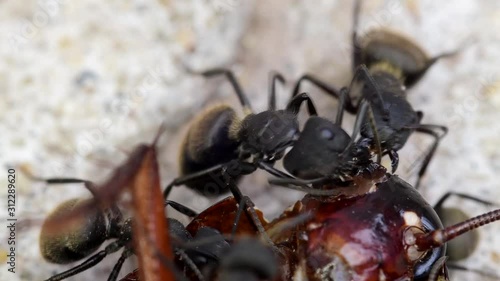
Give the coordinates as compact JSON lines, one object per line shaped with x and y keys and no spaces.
{"x":392,"y":63}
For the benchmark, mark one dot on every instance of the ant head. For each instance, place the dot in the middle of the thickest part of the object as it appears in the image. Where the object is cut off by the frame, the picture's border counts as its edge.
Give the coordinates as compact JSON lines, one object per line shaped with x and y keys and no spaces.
{"x":79,"y":238}
{"x":269,"y":133}
{"x":318,"y":150}
{"x":402,"y":57}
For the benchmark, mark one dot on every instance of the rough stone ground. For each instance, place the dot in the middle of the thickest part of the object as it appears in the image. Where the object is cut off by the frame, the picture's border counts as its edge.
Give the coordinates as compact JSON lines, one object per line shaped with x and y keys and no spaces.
{"x":82,"y":83}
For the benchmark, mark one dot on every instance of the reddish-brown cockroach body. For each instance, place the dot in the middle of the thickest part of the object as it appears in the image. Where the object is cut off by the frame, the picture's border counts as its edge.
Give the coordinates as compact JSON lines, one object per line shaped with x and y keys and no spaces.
{"x":382,"y":230}
{"x":221,"y":216}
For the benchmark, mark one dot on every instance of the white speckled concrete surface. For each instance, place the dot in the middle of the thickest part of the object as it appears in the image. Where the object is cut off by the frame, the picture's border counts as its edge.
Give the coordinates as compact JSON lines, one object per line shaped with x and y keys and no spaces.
{"x":82,"y":83}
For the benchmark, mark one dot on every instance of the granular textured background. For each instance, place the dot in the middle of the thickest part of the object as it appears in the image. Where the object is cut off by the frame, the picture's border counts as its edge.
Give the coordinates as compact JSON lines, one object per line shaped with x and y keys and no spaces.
{"x":82,"y":83}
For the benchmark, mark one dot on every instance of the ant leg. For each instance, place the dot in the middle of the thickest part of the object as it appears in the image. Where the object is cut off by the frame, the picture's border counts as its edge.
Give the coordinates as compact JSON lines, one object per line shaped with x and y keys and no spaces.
{"x":247,"y":204}
{"x":118,"y":265}
{"x":194,"y":176}
{"x":343,"y":95}
{"x":190,"y":263}
{"x":273,"y":171}
{"x":393,"y":154}
{"x":90,"y":262}
{"x":274,"y":76}
{"x":181,"y":208}
{"x":447,"y":195}
{"x":363,"y":71}
{"x":323,"y":86}
{"x":90,"y":186}
{"x":245,"y":103}
{"x":463,"y":268}
{"x":356,"y":45}
{"x":303,"y":185}
{"x":294,"y":104}
{"x":432,"y":131}
{"x":241,"y":208}
{"x":364,"y":109}
{"x":249,"y":208}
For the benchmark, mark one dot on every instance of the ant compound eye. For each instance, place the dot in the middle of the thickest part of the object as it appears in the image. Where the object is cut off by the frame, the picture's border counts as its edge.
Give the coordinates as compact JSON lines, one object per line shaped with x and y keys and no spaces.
{"x":327,"y":134}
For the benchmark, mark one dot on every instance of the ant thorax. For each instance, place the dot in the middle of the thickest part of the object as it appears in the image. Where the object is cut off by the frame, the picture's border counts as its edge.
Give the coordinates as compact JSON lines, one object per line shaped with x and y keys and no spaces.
{"x":268,"y":134}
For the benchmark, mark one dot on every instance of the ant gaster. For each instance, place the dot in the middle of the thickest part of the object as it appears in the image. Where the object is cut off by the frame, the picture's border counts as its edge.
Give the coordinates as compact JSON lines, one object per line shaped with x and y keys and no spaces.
{"x":83,"y":234}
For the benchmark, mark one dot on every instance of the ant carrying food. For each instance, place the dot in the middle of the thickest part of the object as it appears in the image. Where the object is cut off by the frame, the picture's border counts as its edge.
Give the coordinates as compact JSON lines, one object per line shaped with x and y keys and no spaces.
{"x":219,"y":148}
{"x":392,"y":63}
{"x":85,"y":235}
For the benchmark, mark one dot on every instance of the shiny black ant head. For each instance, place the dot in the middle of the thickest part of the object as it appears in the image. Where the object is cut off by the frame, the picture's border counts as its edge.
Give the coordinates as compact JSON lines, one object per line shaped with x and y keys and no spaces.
{"x":248,"y":259}
{"x":269,"y":133}
{"x":318,"y":150}
{"x":396,"y":54}
{"x":79,"y":238}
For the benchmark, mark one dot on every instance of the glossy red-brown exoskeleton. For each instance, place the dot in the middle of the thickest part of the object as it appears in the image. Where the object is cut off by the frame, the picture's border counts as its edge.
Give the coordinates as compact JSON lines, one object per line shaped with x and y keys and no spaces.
{"x":378,"y":228}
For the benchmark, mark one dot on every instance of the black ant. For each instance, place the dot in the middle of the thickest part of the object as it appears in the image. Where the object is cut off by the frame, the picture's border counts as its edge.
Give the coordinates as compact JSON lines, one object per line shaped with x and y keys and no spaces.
{"x":393,"y":63}
{"x":219,"y":143}
{"x":88,"y":231}
{"x":210,"y":248}
{"x":246,"y":258}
